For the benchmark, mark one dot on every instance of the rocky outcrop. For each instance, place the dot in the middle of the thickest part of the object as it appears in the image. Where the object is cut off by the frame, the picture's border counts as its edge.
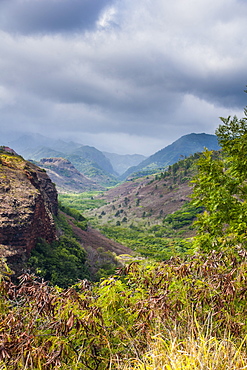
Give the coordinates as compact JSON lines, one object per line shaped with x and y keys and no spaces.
{"x":66,"y":177}
{"x":28,"y":202}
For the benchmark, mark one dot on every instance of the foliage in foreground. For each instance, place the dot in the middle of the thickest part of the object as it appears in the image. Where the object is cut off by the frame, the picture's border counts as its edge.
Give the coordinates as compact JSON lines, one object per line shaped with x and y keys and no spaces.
{"x":220,"y":187}
{"x":161,"y":314}
{"x":191,"y":354}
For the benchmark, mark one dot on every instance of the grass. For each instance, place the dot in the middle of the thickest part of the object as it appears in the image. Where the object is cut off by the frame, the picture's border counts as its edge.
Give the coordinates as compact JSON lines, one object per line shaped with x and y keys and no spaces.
{"x":196,"y":352}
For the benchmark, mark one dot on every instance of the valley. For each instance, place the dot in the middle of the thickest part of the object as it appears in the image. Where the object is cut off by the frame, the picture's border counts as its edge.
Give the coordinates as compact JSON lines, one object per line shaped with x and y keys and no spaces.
{"x":145,"y":216}
{"x":148,"y":214}
{"x":136,"y":274}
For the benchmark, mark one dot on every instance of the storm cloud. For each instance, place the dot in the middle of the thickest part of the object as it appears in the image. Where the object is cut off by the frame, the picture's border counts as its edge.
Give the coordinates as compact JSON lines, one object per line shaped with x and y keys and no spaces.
{"x":49,"y":16}
{"x":118,"y":75}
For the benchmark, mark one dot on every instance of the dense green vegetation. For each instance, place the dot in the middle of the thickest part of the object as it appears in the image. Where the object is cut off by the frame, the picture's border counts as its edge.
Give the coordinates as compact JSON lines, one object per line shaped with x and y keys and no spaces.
{"x":62,"y":262}
{"x":82,"y":201}
{"x":79,"y":220}
{"x":148,"y":242}
{"x":181,"y":170}
{"x":183,"y":217}
{"x":65,"y":261}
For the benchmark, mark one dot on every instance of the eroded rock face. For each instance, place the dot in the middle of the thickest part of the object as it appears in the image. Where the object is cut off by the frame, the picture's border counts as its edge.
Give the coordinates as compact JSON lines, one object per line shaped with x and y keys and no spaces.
{"x":28,"y":201}
{"x":66,"y":177}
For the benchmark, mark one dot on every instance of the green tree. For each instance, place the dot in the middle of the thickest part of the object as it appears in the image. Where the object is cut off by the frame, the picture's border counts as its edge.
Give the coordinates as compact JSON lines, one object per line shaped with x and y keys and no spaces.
{"x":220,"y":187}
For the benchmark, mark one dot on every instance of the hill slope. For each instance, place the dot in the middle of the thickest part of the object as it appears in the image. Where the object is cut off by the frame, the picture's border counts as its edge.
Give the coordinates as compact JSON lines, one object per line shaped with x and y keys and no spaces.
{"x":148,"y":199}
{"x":92,"y":163}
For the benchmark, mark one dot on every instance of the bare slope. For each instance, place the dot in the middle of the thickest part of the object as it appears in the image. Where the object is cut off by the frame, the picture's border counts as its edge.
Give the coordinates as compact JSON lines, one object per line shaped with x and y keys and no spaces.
{"x":66,"y":177}
{"x":100,"y":250}
{"x":148,"y":199}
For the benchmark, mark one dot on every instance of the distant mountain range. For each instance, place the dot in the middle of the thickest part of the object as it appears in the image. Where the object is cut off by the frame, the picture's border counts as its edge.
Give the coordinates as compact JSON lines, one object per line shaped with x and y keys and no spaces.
{"x":88,"y":160}
{"x":103,"y":169}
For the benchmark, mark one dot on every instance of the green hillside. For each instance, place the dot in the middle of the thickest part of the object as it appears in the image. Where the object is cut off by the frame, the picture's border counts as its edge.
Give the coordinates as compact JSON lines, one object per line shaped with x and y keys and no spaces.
{"x":93,"y":164}
{"x":183,"y":147}
{"x":84,"y":155}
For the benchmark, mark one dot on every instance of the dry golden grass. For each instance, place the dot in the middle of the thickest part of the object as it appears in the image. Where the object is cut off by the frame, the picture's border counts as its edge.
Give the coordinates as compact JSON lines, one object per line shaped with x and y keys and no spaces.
{"x":191,"y":354}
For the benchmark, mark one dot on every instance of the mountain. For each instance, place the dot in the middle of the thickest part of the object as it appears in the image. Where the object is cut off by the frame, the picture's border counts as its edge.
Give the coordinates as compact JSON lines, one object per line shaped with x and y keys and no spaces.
{"x":121,"y":162}
{"x":93,"y":164}
{"x":41,"y":152}
{"x":66,"y":177}
{"x":183,"y":147}
{"x":88,"y":155}
{"x":36,"y":147}
{"x":107,"y":169}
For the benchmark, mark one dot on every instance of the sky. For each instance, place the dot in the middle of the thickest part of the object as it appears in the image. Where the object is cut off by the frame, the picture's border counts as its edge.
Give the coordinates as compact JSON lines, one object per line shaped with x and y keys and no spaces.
{"x":125,"y":76}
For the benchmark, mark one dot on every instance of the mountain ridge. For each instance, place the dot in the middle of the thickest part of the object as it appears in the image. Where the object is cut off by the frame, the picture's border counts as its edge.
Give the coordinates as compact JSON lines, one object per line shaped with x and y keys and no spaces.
{"x":185,"y":146}
{"x":105,"y":168}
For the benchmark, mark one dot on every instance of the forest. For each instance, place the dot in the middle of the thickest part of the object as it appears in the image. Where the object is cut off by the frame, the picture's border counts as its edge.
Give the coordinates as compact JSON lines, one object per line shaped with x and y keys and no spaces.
{"x":180,"y":305}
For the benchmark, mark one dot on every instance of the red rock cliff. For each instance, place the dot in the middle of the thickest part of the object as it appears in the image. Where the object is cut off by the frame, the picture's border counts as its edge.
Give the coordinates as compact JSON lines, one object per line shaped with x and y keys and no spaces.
{"x":28,"y":201}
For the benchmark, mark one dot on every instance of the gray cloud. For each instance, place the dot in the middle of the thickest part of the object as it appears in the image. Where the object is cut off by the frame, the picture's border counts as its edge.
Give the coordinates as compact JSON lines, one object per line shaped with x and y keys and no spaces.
{"x":132,"y":78}
{"x":49,"y":16}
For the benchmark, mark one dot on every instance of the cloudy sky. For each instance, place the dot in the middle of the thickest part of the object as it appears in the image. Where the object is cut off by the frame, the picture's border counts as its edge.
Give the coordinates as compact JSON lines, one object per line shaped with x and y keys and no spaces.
{"x":126,"y":76}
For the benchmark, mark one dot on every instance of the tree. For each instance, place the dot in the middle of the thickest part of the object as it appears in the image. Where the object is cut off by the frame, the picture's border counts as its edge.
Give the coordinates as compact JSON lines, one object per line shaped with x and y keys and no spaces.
{"x":221,"y":188}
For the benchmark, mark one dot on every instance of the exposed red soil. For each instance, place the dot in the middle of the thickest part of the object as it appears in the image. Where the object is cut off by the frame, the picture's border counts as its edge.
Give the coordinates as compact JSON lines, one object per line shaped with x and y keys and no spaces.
{"x":142,"y":199}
